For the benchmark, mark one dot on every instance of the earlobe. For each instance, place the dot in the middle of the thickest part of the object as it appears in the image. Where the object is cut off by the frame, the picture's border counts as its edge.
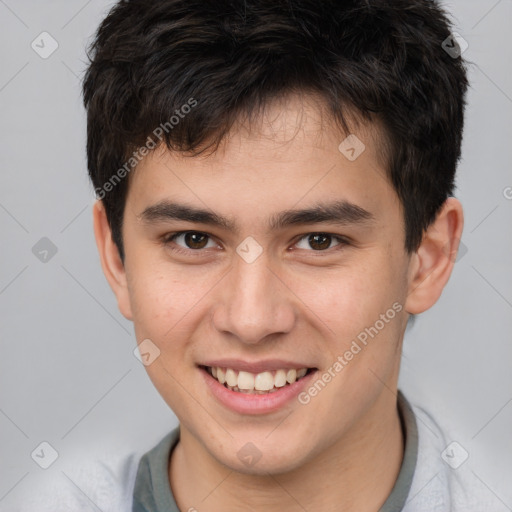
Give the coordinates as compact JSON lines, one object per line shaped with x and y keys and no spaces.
{"x":432,"y":264}
{"x":113,"y":267}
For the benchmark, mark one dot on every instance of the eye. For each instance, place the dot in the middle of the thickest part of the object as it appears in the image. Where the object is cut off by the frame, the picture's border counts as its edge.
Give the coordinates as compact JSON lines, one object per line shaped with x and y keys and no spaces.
{"x":320,"y":241}
{"x":191,"y":240}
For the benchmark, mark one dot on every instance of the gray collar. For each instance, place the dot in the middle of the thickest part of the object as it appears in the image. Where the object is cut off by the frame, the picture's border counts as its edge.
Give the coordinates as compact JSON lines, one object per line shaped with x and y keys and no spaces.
{"x":152,"y":491}
{"x":396,"y":500}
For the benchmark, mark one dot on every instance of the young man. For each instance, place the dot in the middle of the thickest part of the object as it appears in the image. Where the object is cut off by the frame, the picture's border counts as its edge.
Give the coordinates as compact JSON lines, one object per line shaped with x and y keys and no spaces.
{"x":274,"y":184}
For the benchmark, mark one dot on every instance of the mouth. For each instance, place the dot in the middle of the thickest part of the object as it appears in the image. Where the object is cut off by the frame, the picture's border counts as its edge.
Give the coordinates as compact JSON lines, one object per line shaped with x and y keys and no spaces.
{"x":262,"y":383}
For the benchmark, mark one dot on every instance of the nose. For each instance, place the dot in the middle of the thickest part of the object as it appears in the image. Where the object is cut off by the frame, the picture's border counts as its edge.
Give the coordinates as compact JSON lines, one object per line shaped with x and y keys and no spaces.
{"x":254,"y":303}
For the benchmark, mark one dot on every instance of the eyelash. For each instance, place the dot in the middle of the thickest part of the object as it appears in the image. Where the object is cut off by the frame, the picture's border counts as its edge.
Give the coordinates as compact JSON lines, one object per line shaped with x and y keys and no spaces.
{"x":167,"y":239}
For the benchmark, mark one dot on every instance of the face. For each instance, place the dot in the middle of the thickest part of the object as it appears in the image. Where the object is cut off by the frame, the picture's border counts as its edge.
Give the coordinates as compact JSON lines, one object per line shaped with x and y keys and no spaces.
{"x":278,"y":252}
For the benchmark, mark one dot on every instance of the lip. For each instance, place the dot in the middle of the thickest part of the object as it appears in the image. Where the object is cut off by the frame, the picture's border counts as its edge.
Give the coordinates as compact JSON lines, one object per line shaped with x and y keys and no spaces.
{"x":256,"y":366}
{"x":244,"y":403}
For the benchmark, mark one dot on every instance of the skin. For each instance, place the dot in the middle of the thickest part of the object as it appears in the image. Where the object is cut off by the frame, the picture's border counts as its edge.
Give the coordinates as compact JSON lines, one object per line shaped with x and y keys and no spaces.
{"x":342,"y":450}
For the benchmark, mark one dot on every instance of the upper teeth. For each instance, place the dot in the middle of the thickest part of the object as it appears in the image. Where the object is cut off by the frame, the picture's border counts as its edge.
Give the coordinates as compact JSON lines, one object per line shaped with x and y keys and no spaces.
{"x":263,"y":381}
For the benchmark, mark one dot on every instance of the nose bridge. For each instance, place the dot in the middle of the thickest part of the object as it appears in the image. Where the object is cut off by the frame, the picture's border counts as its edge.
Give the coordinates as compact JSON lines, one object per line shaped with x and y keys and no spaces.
{"x":254,"y":302}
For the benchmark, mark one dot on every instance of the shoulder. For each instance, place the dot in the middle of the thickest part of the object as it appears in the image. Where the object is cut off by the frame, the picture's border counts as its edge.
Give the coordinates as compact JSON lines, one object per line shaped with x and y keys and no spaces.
{"x":444,"y":480}
{"x":88,"y":484}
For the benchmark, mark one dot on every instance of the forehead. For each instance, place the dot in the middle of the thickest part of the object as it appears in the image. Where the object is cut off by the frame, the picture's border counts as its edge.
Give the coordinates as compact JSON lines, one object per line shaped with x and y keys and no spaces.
{"x":291,"y":152}
{"x":301,"y":125}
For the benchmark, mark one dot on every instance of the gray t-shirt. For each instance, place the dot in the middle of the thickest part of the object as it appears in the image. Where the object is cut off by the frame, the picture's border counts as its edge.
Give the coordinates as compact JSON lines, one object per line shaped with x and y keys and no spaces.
{"x":434,"y":477}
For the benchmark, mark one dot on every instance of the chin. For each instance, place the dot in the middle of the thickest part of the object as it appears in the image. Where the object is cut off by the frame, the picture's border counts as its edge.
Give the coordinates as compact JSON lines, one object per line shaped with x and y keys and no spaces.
{"x":255,"y":455}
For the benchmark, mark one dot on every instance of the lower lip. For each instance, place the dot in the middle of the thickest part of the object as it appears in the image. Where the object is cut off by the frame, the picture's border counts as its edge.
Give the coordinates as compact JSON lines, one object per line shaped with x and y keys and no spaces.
{"x":245,"y":403}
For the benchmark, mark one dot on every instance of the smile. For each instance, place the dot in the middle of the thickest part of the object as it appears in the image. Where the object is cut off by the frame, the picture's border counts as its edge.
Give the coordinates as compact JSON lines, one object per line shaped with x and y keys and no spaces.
{"x":260,"y":383}
{"x":266,"y":389}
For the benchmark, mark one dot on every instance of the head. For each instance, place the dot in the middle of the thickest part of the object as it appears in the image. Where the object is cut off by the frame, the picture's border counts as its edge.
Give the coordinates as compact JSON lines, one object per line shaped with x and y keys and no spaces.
{"x":275,"y":185}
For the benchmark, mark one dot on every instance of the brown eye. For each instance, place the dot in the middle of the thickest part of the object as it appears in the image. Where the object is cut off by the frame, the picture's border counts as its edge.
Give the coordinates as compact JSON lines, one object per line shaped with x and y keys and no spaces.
{"x":195,"y":240}
{"x":320,"y":242}
{"x":191,"y":240}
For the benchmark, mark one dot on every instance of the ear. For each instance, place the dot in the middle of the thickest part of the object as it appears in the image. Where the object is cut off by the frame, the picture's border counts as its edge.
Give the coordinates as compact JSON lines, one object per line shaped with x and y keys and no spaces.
{"x":113,"y":267}
{"x":432,"y":264}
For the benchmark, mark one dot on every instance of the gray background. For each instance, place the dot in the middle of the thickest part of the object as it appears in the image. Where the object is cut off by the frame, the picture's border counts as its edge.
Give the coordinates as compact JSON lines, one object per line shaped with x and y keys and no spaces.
{"x":67,"y":369}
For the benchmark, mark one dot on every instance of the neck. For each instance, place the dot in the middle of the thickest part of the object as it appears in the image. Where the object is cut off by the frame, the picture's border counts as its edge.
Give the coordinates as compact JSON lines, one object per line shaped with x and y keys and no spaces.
{"x":356,"y":473}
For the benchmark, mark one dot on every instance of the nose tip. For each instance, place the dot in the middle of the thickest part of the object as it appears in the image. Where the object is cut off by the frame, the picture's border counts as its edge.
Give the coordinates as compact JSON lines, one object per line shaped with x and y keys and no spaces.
{"x":254,"y":304}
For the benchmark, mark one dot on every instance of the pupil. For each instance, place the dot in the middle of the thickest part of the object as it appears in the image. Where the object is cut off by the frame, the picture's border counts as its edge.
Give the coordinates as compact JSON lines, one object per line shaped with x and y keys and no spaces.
{"x":195,"y":240}
{"x":319,"y":241}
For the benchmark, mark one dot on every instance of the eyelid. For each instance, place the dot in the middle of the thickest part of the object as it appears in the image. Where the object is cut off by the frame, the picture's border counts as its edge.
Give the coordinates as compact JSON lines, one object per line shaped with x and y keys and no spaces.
{"x":169,"y":237}
{"x":342,"y":241}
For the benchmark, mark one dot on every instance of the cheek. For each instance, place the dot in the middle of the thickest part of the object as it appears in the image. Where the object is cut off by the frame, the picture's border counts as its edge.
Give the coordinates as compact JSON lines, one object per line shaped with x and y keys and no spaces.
{"x":168,"y":301}
{"x":158,"y":301}
{"x":348,"y":299}
{"x":165,"y":308}
{"x":363,"y":308}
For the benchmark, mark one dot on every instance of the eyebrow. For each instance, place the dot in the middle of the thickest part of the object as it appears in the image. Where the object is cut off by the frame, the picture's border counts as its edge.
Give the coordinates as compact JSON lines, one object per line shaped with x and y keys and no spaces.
{"x":342,"y":213}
